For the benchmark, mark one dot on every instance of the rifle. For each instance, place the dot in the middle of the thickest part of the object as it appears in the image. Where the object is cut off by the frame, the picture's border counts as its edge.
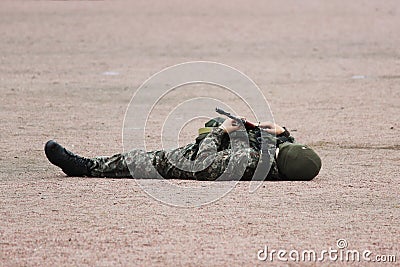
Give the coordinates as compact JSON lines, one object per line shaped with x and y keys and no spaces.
{"x":246,"y":123}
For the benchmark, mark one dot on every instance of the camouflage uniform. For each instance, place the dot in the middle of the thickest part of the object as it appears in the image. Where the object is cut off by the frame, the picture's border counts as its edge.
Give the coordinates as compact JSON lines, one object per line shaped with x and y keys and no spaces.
{"x":206,"y":159}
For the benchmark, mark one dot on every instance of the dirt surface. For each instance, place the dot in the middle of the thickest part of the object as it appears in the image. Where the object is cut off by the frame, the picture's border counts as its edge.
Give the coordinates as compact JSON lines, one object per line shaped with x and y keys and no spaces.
{"x":329,"y":69}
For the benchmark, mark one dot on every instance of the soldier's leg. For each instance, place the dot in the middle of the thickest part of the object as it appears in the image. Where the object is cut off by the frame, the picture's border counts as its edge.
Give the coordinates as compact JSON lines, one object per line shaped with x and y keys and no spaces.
{"x":133,"y":164}
{"x":136,"y":163}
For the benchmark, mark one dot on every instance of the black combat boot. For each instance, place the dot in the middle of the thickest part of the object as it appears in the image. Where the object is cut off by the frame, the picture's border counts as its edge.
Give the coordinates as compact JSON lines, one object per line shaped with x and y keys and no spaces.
{"x":71,"y":164}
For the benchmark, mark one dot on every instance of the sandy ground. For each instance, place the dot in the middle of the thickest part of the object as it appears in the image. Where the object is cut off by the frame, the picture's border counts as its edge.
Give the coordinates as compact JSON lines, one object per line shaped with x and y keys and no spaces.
{"x":329,"y":69}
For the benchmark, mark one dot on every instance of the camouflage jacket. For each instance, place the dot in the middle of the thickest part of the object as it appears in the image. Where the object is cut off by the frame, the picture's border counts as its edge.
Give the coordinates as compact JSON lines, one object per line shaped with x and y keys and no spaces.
{"x":208,"y":158}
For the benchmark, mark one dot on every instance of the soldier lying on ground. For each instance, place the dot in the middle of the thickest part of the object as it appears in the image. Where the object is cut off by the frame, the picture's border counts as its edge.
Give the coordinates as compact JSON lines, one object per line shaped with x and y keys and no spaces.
{"x":291,"y":161}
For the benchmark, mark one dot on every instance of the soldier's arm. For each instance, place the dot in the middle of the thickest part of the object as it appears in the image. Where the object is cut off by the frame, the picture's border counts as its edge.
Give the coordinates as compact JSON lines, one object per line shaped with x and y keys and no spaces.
{"x":213,"y":163}
{"x":210,"y":144}
{"x":281,"y":133}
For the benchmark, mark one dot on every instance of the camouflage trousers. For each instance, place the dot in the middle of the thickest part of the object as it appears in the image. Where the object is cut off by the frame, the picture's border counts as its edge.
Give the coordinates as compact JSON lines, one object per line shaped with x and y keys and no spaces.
{"x":155,"y":165}
{"x":139,"y":162}
{"x":158,"y":164}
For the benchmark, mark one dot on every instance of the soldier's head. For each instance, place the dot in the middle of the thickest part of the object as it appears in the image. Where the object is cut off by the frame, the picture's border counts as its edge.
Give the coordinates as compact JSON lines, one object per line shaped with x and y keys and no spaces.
{"x":298,"y":162}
